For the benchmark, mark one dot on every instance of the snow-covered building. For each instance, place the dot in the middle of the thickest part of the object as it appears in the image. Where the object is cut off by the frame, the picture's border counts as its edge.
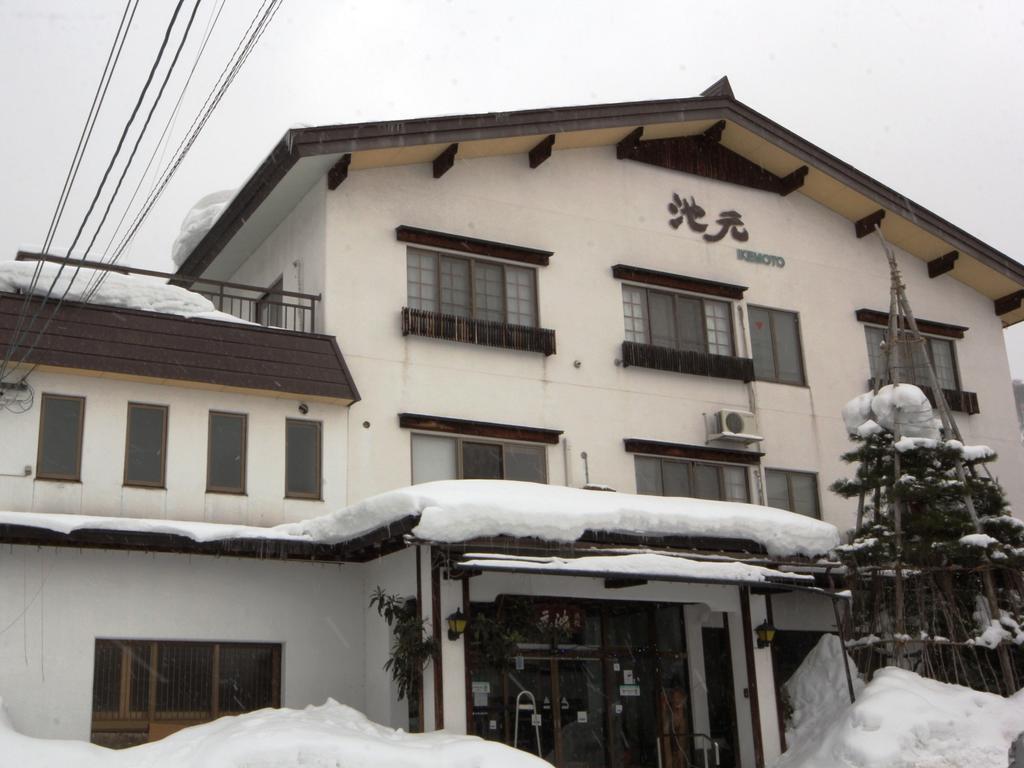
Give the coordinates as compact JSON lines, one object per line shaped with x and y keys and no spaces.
{"x":670,"y":298}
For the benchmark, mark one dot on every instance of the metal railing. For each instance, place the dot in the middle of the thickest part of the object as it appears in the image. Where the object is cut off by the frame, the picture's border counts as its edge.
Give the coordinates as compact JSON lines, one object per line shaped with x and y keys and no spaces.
{"x":685,"y":361}
{"x":437,"y":325}
{"x":270,"y":307}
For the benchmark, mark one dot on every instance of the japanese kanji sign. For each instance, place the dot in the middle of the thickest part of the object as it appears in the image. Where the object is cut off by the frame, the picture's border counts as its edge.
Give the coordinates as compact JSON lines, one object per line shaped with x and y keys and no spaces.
{"x":690,"y":211}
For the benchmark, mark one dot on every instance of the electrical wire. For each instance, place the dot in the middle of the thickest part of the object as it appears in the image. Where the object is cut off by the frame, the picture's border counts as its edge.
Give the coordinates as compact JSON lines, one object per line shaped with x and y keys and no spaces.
{"x":110,"y":165}
{"x":83,"y":141}
{"x":261,"y":20}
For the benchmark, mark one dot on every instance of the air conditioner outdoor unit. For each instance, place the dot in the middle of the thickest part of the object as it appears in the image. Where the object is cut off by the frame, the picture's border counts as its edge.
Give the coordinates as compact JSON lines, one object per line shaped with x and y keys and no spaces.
{"x":737,"y":426}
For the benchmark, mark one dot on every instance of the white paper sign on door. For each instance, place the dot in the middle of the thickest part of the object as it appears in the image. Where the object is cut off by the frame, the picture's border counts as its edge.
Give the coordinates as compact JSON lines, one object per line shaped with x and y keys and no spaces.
{"x":535,"y":719}
{"x":581,"y":716}
{"x":627,"y":676}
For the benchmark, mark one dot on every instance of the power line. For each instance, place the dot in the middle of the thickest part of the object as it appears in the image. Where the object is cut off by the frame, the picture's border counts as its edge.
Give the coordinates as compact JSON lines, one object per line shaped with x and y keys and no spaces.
{"x":161,"y":142}
{"x":16,"y":342}
{"x":251,"y":37}
{"x":83,"y":141}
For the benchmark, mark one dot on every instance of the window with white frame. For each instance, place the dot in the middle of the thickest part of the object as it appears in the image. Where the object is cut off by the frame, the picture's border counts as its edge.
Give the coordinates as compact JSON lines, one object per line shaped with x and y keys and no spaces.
{"x":471,"y":288}
{"x":940,"y":352}
{"x":437,"y":457}
{"x":673,"y":477}
{"x":678,"y":321}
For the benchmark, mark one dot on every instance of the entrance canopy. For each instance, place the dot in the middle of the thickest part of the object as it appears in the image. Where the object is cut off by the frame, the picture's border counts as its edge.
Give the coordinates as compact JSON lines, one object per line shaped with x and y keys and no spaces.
{"x":639,"y":568}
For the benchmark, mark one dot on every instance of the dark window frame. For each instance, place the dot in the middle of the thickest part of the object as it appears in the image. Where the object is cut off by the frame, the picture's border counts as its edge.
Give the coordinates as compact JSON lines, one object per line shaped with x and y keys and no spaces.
{"x":127,"y":718}
{"x":789,"y":473}
{"x":702,"y":299}
{"x":460,"y":440}
{"x":929,"y":338}
{"x":319,"y":494}
{"x":691,"y":474}
{"x":240,"y":491}
{"x":471,"y":262}
{"x":162,"y":483}
{"x":772,"y":311}
{"x":77,"y":476}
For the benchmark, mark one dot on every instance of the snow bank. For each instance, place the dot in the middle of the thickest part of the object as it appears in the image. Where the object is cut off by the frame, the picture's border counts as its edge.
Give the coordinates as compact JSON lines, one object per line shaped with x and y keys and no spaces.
{"x":818,"y":694}
{"x":895,"y":404}
{"x":149,"y":294}
{"x":461,"y":510}
{"x":316,"y":737}
{"x":636,"y":565}
{"x":198,"y":221}
{"x":902,"y":720}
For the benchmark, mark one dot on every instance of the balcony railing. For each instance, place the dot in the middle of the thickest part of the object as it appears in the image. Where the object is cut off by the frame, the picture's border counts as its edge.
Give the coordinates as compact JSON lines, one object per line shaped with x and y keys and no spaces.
{"x":956,"y":399}
{"x":436,"y":325}
{"x":683,"y":361}
{"x":270,"y":307}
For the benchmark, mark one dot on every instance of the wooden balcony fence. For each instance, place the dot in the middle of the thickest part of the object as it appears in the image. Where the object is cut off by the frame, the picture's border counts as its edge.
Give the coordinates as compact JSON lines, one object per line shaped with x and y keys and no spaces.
{"x":437,"y":325}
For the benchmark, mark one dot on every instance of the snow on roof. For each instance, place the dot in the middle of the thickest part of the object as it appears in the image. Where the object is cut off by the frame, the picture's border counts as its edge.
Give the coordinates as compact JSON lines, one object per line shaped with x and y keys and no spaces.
{"x":638,"y":566}
{"x":461,"y":510}
{"x":197,"y":222}
{"x":149,"y":294}
{"x":331,"y":734}
{"x":196,"y":531}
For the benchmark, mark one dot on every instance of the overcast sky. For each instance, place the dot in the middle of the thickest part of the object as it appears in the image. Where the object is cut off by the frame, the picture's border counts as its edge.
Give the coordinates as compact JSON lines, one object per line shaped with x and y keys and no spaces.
{"x":926,"y":96}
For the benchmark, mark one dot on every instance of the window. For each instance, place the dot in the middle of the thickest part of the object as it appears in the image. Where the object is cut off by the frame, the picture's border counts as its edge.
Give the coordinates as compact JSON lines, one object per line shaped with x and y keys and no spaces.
{"x":302,"y":459}
{"x":795,"y":491}
{"x":775,"y":342}
{"x":137,"y":684}
{"x":670,"y":477}
{"x":471,"y":288}
{"x":456,"y":458}
{"x":145,"y":445}
{"x":60,"y":438}
{"x":940,"y":353}
{"x":681,"y":322}
{"x":225,"y":460}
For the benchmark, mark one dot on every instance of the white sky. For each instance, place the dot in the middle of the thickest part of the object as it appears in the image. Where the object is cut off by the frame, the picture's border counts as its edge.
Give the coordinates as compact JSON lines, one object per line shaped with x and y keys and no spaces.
{"x":926,"y":96}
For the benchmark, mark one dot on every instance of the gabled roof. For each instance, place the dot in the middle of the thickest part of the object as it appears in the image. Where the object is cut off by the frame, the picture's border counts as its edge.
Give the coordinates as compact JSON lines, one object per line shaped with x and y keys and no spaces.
{"x":304,"y":156}
{"x":129,"y":343}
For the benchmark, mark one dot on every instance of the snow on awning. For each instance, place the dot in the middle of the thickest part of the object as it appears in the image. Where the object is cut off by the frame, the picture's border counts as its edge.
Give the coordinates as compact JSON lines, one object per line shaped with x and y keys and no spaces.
{"x":452,"y":511}
{"x":638,"y":567}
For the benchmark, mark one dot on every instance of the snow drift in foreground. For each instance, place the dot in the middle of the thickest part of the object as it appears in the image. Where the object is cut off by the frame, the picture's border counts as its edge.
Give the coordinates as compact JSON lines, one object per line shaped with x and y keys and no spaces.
{"x":461,"y":510}
{"x":149,"y":294}
{"x":198,"y":221}
{"x":328,"y":736}
{"x":900,"y":720}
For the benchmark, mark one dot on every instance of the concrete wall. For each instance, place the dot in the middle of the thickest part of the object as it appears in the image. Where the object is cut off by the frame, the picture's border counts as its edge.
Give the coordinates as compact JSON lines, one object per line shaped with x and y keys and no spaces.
{"x":54,"y":603}
{"x":594,"y":211}
{"x":101,"y":491}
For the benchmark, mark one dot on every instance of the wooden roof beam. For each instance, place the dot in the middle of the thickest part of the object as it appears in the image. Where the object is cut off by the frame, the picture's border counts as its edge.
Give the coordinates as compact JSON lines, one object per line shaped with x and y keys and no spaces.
{"x":625,"y":148}
{"x":793,"y":181}
{"x":943,"y":264}
{"x":542,"y":151}
{"x":339,"y":171}
{"x":444,"y":162}
{"x":867,"y":225}
{"x":714,"y":133}
{"x":1009,"y":303}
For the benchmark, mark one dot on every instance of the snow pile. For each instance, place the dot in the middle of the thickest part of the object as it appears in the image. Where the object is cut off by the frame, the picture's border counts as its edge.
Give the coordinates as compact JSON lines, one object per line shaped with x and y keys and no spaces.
{"x":316,"y":737}
{"x":895,"y":404}
{"x":462,"y":510}
{"x":902,"y":720}
{"x":149,"y":294}
{"x":982,"y":540}
{"x":818,"y":694}
{"x":198,"y":222}
{"x":640,"y":565}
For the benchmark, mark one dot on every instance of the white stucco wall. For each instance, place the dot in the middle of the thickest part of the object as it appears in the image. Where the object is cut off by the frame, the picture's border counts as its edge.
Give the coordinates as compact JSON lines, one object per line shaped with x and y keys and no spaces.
{"x":101,"y":490}
{"x":54,"y":603}
{"x":594,"y":211}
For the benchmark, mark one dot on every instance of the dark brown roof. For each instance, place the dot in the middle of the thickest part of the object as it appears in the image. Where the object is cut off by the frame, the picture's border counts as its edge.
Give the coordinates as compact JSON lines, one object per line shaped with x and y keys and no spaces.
{"x":718,"y":104}
{"x":159,"y":346}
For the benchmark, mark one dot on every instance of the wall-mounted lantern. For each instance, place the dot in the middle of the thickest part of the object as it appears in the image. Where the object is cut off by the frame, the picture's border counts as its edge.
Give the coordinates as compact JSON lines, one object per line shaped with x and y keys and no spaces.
{"x":765,"y":634}
{"x":456,"y":624}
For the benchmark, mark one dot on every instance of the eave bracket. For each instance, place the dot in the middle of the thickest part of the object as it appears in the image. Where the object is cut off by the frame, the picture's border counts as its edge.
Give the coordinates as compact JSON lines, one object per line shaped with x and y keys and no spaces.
{"x":542,"y":151}
{"x":943,"y":264}
{"x":339,"y":171}
{"x":444,"y":161}
{"x":867,"y":225}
